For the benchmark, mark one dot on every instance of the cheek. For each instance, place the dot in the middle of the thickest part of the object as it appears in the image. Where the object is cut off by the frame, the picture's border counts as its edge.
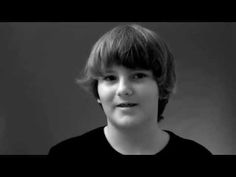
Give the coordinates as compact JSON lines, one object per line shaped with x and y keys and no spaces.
{"x":149,"y":92}
{"x":149,"y":98}
{"x":105,"y":93}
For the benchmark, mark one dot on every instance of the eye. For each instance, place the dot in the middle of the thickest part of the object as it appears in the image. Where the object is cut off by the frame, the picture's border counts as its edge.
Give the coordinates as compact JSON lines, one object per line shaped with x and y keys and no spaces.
{"x":139,"y":75}
{"x":109,"y":78}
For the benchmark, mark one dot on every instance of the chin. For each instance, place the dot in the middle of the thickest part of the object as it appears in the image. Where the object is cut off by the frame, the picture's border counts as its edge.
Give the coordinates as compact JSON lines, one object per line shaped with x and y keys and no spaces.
{"x":128,"y":122}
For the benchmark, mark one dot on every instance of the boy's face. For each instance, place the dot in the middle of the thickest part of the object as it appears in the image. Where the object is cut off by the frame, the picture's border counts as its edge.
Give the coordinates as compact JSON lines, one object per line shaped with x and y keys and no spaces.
{"x":137,"y":89}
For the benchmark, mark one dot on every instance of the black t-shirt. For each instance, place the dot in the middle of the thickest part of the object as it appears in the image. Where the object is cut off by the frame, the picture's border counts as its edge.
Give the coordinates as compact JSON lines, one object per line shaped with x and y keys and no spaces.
{"x":94,"y":143}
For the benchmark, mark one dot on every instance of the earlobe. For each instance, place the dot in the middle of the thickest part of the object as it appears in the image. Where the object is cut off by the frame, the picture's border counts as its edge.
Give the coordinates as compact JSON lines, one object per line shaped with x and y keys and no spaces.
{"x":98,"y":100}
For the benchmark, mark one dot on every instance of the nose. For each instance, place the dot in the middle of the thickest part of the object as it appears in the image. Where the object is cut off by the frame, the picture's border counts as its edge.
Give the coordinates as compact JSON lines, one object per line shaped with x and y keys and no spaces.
{"x":124,"y":88}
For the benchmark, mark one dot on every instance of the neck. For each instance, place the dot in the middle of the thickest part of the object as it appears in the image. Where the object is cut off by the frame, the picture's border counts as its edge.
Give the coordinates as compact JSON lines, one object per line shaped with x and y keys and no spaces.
{"x":138,"y":140}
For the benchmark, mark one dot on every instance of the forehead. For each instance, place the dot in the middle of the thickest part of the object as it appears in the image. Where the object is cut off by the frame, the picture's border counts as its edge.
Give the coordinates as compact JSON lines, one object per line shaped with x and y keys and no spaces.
{"x":117,"y":68}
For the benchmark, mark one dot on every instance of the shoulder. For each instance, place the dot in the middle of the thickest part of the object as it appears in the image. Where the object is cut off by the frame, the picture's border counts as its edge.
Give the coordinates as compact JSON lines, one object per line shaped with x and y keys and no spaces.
{"x":183,"y":146}
{"x":78,"y":144}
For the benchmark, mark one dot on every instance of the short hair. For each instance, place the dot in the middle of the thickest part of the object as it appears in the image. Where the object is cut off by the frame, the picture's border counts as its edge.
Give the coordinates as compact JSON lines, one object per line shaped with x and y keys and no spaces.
{"x":134,"y":47}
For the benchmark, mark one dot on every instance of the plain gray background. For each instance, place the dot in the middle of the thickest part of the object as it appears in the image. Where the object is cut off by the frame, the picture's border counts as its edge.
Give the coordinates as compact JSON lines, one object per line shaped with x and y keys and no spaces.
{"x":40,"y":104}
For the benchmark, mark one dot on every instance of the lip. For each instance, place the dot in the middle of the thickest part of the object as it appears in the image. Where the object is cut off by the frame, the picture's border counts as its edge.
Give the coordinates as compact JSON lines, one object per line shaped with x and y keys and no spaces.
{"x":118,"y":105}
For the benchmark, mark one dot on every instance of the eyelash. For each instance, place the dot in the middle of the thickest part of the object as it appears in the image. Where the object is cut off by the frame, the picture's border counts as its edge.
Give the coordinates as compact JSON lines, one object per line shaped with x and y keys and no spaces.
{"x":109,"y":78}
{"x":112,"y":77}
{"x":141,"y":75}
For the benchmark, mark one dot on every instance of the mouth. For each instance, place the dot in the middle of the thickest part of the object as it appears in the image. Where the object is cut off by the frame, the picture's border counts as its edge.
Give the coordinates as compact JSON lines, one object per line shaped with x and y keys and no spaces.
{"x":127,"y":105}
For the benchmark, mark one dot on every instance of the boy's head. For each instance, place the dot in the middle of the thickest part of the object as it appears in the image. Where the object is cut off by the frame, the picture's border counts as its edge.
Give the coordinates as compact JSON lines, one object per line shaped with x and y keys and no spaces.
{"x":134,"y":47}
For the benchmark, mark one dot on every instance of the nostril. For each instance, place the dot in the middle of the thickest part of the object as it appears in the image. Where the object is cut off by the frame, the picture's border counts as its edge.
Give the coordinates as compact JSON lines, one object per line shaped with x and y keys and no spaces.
{"x":126,"y":92}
